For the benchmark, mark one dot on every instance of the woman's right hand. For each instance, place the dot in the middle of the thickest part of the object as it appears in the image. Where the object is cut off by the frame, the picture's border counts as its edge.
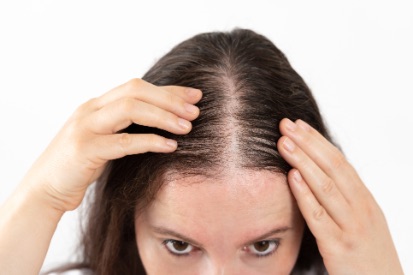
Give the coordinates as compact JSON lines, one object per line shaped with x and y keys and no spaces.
{"x":89,"y":139}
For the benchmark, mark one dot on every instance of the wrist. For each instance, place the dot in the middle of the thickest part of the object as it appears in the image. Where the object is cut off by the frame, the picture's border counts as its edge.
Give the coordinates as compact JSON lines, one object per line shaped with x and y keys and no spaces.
{"x":32,"y":193}
{"x":40,"y":187}
{"x":26,"y":201}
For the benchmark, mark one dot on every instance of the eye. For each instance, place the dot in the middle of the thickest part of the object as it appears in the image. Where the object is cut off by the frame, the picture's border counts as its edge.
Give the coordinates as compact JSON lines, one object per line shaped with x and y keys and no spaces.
{"x":178,"y":248}
{"x":263,"y":248}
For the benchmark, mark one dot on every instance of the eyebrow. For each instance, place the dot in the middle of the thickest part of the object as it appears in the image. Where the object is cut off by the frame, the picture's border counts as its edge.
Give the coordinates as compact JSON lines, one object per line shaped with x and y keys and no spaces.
{"x":269,"y":234}
{"x":170,"y":232}
{"x":166,"y":231}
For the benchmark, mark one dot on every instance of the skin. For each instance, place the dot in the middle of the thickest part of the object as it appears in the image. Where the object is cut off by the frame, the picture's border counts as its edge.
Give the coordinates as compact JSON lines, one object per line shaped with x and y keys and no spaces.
{"x":191,"y":211}
{"x":350,"y":228}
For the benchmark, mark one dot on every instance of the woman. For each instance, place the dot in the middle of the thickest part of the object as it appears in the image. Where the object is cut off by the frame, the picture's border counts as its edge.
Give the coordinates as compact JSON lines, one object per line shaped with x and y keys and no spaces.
{"x":245,"y":182}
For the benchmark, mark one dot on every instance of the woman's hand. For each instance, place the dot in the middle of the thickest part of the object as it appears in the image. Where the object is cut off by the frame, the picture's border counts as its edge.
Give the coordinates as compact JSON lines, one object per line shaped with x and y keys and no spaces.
{"x":58,"y":180}
{"x":351,"y":231}
{"x":79,"y":152}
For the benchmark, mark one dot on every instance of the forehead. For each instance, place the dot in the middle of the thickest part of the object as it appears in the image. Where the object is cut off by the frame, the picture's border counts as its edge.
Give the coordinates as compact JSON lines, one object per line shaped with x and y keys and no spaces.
{"x":252,"y":199}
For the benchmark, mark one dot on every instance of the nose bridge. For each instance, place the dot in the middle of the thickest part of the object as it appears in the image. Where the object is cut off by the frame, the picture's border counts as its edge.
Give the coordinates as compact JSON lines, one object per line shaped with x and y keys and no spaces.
{"x":223,"y":266}
{"x":220,"y":268}
{"x":223,"y":258}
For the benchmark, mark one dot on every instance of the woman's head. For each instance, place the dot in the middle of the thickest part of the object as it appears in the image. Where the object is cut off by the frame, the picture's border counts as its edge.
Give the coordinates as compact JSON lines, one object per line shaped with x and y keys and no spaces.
{"x":223,"y":193}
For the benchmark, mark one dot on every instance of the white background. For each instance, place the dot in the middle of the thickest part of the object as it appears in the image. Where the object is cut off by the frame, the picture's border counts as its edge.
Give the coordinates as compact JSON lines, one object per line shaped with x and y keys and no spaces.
{"x":356,"y":56}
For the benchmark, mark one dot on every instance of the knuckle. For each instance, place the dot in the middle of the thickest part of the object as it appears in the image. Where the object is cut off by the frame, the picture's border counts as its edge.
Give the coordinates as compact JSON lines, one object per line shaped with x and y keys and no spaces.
{"x":134,"y":83}
{"x":85,"y":106}
{"x":319,"y":213}
{"x":372,"y":213}
{"x":124,"y":142}
{"x":338,"y":161}
{"x":348,"y":244}
{"x":74,"y":126}
{"x":327,"y":186}
{"x":78,"y":144}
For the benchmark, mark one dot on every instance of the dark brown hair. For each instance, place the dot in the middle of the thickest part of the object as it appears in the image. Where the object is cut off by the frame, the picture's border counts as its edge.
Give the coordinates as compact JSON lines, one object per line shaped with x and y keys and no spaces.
{"x":248,"y":86}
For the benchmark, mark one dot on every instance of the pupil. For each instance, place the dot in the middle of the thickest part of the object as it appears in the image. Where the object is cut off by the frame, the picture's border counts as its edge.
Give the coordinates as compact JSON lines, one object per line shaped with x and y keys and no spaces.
{"x":261,"y":246}
{"x":180,"y":246}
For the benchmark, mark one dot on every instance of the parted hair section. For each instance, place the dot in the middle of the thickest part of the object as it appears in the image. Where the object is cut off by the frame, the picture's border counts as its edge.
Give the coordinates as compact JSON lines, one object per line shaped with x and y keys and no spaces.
{"x":248,"y":87}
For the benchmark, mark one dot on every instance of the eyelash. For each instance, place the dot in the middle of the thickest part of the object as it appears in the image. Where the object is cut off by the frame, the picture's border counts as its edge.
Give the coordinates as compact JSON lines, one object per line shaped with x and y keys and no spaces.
{"x":166,"y":242}
{"x":277,"y":243}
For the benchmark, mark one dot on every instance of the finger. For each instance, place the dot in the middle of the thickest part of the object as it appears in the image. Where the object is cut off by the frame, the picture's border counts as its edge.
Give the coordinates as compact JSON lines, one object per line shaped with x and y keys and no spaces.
{"x":85,"y":109}
{"x":318,"y":220}
{"x":119,"y":145}
{"x":176,"y":99}
{"x":190,"y":95}
{"x":322,"y":186}
{"x":123,"y":112}
{"x":326,"y":156}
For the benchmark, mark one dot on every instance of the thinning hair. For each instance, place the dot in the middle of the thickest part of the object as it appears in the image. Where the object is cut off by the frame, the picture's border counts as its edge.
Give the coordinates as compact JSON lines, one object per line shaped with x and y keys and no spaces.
{"x":248,"y":86}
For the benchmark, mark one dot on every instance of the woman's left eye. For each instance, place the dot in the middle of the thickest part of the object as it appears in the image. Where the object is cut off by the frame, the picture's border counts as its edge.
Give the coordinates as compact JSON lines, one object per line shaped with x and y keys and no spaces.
{"x":263,"y":248}
{"x":178,"y":248}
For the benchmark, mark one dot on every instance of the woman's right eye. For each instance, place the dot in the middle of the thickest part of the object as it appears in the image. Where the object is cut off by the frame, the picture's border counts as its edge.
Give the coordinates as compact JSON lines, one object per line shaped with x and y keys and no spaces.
{"x":178,"y":248}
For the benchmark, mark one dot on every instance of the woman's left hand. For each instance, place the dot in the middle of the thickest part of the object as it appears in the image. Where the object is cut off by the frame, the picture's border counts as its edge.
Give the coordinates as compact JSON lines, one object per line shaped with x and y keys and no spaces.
{"x":350,"y":229}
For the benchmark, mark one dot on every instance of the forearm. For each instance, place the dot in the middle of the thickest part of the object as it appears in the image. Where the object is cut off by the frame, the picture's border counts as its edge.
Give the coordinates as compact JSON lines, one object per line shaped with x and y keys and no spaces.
{"x":27,"y":224}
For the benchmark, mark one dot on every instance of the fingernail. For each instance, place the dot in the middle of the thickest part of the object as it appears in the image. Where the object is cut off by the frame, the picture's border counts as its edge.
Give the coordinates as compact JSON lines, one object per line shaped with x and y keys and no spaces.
{"x":297,"y":176}
{"x":290,"y":125}
{"x":184,"y":123}
{"x":298,"y":180}
{"x":171,"y":143}
{"x":193,"y":92}
{"x":288,"y":144}
{"x":191,"y":108}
